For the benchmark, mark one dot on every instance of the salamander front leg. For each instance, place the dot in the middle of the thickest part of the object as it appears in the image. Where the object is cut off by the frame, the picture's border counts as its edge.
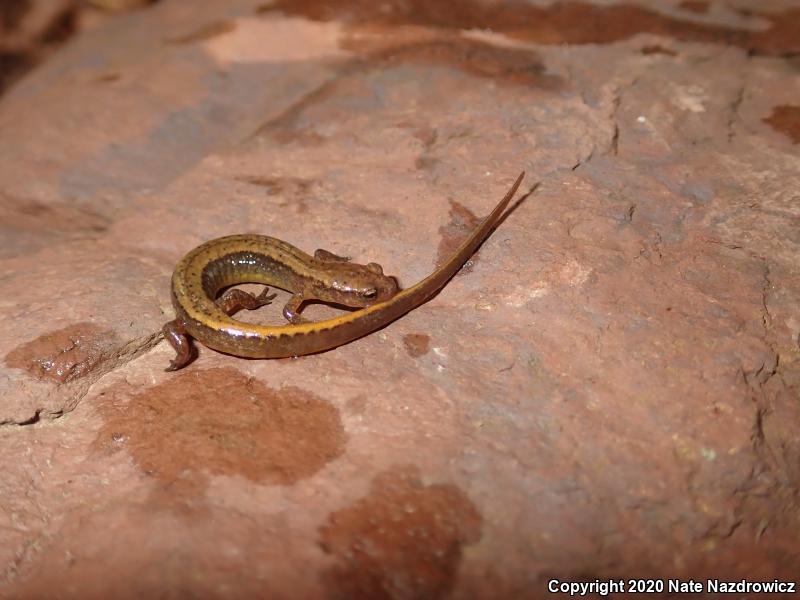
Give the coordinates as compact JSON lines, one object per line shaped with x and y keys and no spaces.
{"x":292,"y":309}
{"x":180,"y":341}
{"x":235,"y":300}
{"x":326,"y":256}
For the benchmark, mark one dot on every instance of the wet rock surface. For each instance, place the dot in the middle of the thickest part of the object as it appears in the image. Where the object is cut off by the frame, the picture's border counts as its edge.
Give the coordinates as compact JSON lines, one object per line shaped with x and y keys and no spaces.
{"x":610,"y":389}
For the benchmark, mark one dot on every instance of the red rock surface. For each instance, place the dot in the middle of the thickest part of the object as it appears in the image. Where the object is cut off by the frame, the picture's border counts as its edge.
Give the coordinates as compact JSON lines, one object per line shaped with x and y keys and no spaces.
{"x":610,"y":390}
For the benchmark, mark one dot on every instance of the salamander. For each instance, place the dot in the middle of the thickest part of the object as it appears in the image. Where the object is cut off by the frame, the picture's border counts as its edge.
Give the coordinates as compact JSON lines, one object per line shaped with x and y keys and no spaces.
{"x":227,"y":261}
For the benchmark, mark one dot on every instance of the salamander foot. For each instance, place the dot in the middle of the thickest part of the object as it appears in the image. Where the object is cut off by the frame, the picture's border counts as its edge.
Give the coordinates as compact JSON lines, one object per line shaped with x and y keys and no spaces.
{"x":235,"y":300}
{"x":177,"y":337}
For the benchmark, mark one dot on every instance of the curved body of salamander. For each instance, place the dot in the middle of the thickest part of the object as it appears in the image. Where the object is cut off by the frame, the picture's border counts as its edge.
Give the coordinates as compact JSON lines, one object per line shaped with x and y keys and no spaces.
{"x":236,"y":259}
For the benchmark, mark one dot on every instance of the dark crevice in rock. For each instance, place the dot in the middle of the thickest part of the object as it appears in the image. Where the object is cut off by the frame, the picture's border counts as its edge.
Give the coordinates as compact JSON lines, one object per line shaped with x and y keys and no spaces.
{"x":614,"y":145}
{"x":32,"y":421}
{"x":583,"y":161}
{"x":768,"y":370}
{"x":734,"y":112}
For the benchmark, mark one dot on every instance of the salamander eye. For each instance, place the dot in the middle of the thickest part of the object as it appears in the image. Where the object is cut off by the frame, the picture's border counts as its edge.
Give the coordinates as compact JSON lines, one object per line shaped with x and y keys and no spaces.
{"x":370,"y":293}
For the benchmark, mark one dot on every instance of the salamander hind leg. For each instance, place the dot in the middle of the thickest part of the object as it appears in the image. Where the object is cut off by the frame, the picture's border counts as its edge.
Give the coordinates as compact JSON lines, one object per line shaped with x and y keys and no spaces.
{"x":292,"y":310}
{"x":180,"y":341}
{"x":326,"y":256}
{"x":235,"y":300}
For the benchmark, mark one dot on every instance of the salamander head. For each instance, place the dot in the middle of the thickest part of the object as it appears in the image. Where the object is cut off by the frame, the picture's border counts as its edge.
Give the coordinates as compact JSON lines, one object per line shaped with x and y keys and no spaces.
{"x":357,"y":285}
